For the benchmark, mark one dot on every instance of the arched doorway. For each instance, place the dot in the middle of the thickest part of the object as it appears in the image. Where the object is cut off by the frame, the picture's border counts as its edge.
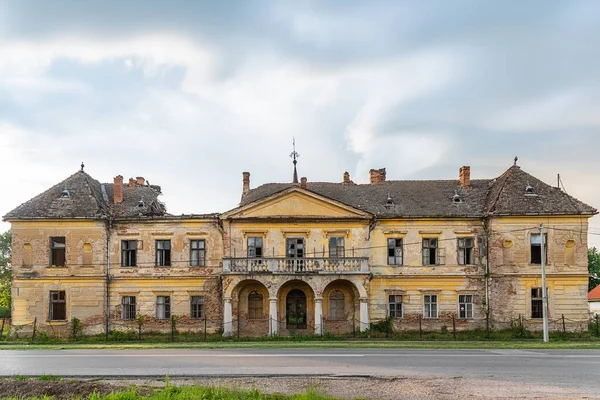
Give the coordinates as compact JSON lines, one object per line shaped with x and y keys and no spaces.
{"x":295,"y":309}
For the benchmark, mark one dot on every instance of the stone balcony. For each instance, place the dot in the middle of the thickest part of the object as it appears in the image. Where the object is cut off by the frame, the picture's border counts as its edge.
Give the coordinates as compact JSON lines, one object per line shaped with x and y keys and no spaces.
{"x":309,"y":265}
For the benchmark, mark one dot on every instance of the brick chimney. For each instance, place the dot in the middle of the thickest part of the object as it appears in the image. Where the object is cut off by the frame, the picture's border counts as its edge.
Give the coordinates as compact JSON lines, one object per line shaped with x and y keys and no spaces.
{"x":118,"y":189}
{"x":132,"y":183}
{"x":347,"y":177}
{"x":303,"y":182}
{"x":465,"y":177}
{"x":140,"y":180}
{"x":377,"y":175}
{"x":246,"y":183}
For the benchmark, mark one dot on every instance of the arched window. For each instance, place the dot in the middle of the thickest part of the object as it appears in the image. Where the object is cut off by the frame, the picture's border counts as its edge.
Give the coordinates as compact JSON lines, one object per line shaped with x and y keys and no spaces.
{"x":336,"y":305}
{"x":255,"y":305}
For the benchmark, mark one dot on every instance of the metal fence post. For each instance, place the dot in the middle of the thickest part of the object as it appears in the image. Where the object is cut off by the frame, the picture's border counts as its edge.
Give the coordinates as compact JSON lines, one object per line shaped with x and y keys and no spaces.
{"x":597,"y":326}
{"x":34,"y":328}
{"x":420,"y":327}
{"x":563,"y":322}
{"x":205,"y":327}
{"x":2,"y":330}
{"x":453,"y":327}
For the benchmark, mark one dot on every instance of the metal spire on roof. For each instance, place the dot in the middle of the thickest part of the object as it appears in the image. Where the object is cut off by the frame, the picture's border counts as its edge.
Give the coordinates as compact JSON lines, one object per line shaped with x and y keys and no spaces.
{"x":516,"y":159}
{"x":82,"y":165}
{"x":295,"y":155}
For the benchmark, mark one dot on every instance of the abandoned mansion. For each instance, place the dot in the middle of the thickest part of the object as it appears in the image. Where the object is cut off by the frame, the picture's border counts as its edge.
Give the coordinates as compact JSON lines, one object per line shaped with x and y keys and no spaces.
{"x":302,"y":257}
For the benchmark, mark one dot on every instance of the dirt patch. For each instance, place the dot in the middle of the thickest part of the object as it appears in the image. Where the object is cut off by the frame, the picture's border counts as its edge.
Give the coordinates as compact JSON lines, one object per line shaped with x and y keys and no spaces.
{"x":63,"y":389}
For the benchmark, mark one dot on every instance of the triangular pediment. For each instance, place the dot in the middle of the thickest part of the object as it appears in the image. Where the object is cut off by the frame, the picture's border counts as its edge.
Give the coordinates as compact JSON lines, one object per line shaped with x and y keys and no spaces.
{"x":296,"y":203}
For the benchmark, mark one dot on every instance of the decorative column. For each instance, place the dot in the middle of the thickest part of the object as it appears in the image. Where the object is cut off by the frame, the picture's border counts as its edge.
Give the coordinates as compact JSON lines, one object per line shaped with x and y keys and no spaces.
{"x":318,"y":315}
{"x":364,"y":314}
{"x":227,"y":317}
{"x":273,"y":323}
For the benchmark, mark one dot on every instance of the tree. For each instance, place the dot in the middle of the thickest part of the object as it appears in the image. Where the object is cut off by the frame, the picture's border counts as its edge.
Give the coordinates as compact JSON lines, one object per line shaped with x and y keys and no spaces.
{"x":5,"y":273}
{"x":594,"y":267}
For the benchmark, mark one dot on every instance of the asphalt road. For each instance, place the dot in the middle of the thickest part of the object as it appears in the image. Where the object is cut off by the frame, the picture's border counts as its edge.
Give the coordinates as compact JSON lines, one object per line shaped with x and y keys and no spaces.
{"x":564,"y":368}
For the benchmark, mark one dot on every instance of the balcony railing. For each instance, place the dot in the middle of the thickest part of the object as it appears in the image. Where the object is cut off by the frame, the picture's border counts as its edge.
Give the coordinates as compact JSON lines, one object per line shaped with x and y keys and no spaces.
{"x":296,"y":265}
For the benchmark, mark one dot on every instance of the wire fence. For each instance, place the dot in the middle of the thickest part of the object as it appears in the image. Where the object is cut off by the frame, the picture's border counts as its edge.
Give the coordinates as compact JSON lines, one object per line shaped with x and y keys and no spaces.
{"x":185,"y":329}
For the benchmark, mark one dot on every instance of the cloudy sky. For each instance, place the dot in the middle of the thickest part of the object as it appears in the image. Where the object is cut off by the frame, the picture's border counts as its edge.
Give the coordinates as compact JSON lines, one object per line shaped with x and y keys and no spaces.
{"x":190,"y":94}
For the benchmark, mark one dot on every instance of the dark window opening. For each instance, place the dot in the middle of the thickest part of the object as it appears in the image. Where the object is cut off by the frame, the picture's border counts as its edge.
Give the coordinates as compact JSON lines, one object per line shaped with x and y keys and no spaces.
{"x":295,"y":247}
{"x":295,"y":309}
{"x":58,"y":306}
{"x":395,"y":305}
{"x":430,"y":247}
{"x":536,"y":248}
{"x":395,"y":252}
{"x":163,"y":253}
{"x":537,"y":303}
{"x":58,"y":251}
{"x":163,"y":307}
{"x":255,"y":247}
{"x":128,"y":304}
{"x":197,"y":253}
{"x":336,"y":247}
{"x":128,"y":253}
{"x":197,"y":307}
{"x":465,"y":251}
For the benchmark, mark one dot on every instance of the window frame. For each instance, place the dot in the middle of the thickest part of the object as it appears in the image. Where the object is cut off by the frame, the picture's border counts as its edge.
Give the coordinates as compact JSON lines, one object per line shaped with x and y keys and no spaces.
{"x":465,"y":251}
{"x":128,"y":254}
{"x":428,"y":306}
{"x":395,"y":248}
{"x":57,"y":249}
{"x":197,"y":308}
{"x":52,"y":302}
{"x":254,"y":250}
{"x":539,"y":300}
{"x":255,"y":305}
{"x":394,"y":304}
{"x":337,"y":314}
{"x":198,"y":253}
{"x":429,"y":244}
{"x":468,"y":310}
{"x":338,"y":249}
{"x":166,"y":305}
{"x":130,"y":307}
{"x":162,"y":255}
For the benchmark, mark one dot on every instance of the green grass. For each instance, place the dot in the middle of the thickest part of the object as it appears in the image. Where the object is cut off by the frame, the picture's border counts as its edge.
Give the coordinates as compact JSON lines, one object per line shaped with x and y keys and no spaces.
{"x":48,"y":378}
{"x":197,"y":392}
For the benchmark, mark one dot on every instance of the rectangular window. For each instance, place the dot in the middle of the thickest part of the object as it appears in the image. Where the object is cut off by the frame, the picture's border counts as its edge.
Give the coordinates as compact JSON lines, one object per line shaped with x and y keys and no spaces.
{"x":465,"y":251}
{"x":128,"y":307}
{"x":163,"y":253}
{"x":163,"y":307}
{"x":128,"y":253}
{"x":537,"y":303}
{"x":395,"y":305}
{"x":394,"y":251}
{"x":197,"y":253}
{"x":430,"y":247}
{"x":57,"y":251}
{"x":255,"y":247}
{"x":58,"y":306}
{"x":465,"y":306}
{"x":336,"y":247}
{"x":197,"y":307}
{"x":536,"y":248}
{"x":295,"y":247}
{"x":430,"y":306}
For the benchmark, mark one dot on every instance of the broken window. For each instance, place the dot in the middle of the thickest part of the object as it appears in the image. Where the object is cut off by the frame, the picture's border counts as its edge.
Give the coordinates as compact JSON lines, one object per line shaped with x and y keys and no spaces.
{"x":465,"y":251}
{"x":163,"y":253}
{"x":197,"y":253}
{"x":536,"y":248}
{"x":58,"y":306}
{"x":255,"y":305}
{"x":336,"y":247}
{"x":336,"y":305}
{"x":394,"y":251}
{"x":255,"y":247}
{"x":430,"y":247}
{"x":57,"y":251}
{"x":430,"y":306}
{"x":395,"y":305}
{"x":163,"y":307}
{"x":128,"y":253}
{"x":197,"y":307}
{"x":128,"y":307}
{"x":537,"y":303}
{"x":465,"y":306}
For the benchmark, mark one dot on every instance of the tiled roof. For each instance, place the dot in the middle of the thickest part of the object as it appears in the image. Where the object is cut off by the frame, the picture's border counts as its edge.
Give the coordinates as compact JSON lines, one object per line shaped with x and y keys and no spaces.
{"x":594,"y":294}
{"x":90,"y":199}
{"x":504,"y":195}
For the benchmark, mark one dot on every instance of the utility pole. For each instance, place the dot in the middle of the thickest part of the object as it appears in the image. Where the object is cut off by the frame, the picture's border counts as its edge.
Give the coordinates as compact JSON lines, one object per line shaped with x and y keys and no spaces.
{"x":544,"y":291}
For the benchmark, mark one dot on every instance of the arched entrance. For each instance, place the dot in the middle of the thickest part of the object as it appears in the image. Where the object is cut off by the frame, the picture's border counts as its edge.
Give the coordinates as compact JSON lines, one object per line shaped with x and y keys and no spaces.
{"x":295,"y":310}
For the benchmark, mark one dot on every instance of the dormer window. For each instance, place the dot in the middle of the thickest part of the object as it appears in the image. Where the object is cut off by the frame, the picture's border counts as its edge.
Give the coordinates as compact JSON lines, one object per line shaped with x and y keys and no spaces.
{"x":141,"y":203}
{"x":456,"y":198}
{"x":65,"y":194}
{"x":529,"y":189}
